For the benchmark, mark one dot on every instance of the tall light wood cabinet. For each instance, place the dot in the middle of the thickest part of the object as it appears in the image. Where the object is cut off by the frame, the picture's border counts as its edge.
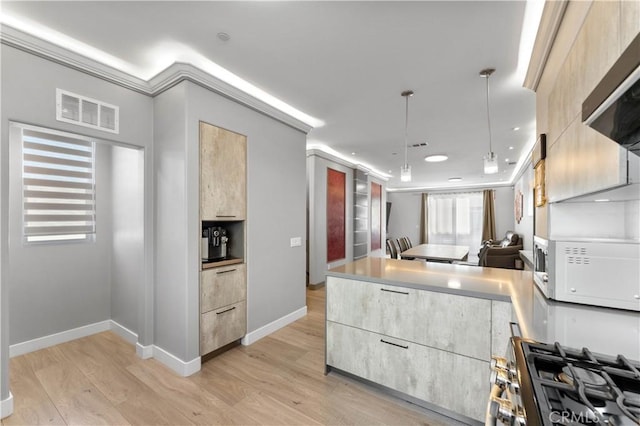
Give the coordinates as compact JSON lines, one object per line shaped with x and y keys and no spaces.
{"x":223,"y":174}
{"x":223,"y":283}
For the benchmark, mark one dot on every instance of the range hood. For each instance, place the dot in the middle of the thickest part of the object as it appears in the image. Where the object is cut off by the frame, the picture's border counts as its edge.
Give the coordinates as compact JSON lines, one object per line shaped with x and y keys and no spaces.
{"x":613,"y":108}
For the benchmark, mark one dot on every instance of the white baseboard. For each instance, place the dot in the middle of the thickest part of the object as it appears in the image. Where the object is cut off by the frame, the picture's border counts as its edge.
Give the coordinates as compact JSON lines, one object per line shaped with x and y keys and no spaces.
{"x":151,"y":351}
{"x":144,"y":352}
{"x":176,"y":364}
{"x":124,"y":332}
{"x":6,"y":407}
{"x":273,"y":326}
{"x":58,"y":338}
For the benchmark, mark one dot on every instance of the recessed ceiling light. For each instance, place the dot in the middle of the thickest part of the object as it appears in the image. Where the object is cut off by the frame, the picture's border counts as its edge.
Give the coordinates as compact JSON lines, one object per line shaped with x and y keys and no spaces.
{"x":390,"y":171}
{"x":602,"y":200}
{"x":510,"y":147}
{"x":436,"y":158}
{"x":455,"y":179}
{"x":353,"y":153}
{"x":506,"y":160}
{"x":223,"y":36}
{"x":515,"y":129}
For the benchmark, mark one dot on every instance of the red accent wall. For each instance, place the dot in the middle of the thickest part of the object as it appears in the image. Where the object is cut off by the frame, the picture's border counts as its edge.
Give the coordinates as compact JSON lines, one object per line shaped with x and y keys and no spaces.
{"x":336,"y":203}
{"x":376,"y":216}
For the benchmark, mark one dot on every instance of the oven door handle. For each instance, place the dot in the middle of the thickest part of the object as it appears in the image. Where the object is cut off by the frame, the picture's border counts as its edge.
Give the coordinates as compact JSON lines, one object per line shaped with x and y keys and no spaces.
{"x":490,"y":416}
{"x":513,"y":326}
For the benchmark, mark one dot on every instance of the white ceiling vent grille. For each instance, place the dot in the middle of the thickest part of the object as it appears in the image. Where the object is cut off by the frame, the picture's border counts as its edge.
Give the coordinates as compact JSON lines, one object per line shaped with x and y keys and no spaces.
{"x":87,"y":112}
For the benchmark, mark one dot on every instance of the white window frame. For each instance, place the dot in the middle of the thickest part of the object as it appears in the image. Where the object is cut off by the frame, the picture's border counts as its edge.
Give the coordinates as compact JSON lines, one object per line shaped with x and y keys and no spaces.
{"x":72,"y":189}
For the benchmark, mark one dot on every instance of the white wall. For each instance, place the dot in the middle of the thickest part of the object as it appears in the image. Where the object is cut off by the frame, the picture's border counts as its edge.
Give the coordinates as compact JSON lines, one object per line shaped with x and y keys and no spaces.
{"x":28,"y":95}
{"x":317,"y":211}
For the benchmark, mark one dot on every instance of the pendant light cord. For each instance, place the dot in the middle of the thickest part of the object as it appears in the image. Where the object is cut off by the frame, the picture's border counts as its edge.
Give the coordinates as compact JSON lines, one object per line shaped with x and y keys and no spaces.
{"x":406,"y":126}
{"x":488,"y":116}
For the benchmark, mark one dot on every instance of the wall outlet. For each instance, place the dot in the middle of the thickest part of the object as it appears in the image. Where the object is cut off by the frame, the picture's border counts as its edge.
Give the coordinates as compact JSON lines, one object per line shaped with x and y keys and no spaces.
{"x":296,"y":241}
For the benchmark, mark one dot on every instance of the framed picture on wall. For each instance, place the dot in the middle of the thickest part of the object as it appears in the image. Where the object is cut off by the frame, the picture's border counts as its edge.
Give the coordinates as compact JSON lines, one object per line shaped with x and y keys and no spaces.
{"x":538,"y":188}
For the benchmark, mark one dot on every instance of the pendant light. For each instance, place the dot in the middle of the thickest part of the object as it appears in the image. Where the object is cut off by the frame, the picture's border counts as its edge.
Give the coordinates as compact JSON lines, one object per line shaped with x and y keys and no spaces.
{"x":491,"y":159}
{"x":405,"y":170}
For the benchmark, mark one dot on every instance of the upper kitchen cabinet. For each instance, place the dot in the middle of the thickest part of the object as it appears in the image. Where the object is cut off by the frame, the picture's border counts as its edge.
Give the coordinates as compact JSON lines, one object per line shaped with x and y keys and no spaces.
{"x":223,"y":174}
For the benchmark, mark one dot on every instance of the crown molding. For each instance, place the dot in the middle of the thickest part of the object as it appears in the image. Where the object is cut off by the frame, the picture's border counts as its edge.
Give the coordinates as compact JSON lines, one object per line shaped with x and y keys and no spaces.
{"x":552,"y":15}
{"x":180,"y":71}
{"x":169,"y":77}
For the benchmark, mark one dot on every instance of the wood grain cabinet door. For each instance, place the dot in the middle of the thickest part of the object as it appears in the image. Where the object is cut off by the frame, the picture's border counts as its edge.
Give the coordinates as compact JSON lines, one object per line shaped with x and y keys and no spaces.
{"x":222,"y":326}
{"x":223,"y":171}
{"x":222,"y":286}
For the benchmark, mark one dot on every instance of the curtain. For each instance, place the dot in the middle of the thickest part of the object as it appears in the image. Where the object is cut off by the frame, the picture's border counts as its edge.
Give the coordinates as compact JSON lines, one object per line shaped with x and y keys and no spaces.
{"x":424,"y":219}
{"x":455,"y":218}
{"x":488,"y":216}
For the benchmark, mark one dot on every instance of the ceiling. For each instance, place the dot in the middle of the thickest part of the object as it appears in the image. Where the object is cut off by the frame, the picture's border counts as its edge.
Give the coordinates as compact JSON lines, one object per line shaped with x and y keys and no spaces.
{"x":344,"y":64}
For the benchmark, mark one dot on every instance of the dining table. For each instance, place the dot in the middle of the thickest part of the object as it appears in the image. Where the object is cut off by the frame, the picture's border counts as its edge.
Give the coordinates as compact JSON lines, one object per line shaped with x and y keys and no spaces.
{"x":437,"y":253}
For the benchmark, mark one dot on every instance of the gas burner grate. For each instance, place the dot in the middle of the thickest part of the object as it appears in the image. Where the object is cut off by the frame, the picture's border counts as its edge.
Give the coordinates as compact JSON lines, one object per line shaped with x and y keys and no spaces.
{"x":581,"y":386}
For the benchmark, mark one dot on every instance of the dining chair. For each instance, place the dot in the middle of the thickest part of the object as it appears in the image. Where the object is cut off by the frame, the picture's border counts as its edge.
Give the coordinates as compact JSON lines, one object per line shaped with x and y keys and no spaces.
{"x":407,"y":242}
{"x":392,"y":248}
{"x":402,"y":243}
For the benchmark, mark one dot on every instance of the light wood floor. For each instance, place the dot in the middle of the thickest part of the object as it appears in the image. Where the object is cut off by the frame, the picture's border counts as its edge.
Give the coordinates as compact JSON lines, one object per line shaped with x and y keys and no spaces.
{"x":277,"y":380}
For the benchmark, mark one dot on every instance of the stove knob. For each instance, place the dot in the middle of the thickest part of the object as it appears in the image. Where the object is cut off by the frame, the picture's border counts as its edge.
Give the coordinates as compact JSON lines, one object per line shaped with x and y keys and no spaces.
{"x":500,"y":378}
{"x":501,"y":409}
{"x":498,"y":362}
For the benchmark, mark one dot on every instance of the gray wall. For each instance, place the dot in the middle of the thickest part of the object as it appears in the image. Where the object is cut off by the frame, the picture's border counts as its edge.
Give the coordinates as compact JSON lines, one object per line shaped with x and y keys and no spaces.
{"x":525,"y":185}
{"x":505,"y":214}
{"x":275,"y":203}
{"x":172,"y":231}
{"x":28,"y":95}
{"x":58,"y":286}
{"x":317,"y":200}
{"x":127,"y":234}
{"x":275,"y":213}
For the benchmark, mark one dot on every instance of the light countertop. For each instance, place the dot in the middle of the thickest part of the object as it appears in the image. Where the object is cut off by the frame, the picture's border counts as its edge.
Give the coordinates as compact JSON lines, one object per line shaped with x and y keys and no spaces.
{"x":603,"y":330}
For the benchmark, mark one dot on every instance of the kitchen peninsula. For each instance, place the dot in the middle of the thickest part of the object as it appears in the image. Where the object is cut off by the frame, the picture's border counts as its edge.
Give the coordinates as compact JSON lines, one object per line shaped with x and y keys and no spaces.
{"x":428,"y":330}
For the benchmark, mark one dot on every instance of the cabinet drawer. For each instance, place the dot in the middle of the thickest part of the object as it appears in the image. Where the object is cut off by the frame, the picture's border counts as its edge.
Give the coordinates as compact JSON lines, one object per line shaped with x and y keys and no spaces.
{"x":222,"y":326}
{"x":450,"y":381}
{"x":222,"y":286}
{"x":450,"y":322}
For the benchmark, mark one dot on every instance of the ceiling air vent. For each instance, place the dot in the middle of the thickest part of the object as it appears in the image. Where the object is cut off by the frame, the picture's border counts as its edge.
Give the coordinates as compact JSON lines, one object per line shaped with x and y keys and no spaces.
{"x":87,"y":112}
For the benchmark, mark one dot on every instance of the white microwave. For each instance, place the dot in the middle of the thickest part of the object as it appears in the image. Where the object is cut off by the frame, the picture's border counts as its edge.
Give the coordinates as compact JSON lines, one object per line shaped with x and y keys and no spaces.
{"x":587,"y":272}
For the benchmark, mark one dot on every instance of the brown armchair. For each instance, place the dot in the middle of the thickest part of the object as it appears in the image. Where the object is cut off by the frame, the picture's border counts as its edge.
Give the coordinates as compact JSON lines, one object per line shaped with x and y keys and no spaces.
{"x":502,"y":254}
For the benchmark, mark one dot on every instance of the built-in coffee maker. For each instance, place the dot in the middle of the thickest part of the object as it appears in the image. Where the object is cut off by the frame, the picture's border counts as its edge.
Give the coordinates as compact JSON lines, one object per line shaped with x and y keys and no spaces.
{"x":214,"y":243}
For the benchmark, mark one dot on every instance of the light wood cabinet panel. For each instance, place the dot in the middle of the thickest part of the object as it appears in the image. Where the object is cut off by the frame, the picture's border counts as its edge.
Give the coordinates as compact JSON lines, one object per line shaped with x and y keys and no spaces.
{"x":630,"y":22}
{"x":501,"y":315}
{"x":583,"y":161}
{"x":222,"y":326}
{"x":222,"y":286}
{"x":222,"y":174}
{"x":420,"y":371}
{"x":598,"y":44}
{"x":450,"y":322}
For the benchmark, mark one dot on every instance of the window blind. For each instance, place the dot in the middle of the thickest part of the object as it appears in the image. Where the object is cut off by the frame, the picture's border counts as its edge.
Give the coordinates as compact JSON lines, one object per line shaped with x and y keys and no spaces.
{"x":58,"y":186}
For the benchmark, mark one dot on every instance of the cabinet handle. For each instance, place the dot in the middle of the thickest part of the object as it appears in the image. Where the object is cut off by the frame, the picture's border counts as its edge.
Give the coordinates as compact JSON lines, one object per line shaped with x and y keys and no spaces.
{"x":227,"y":310}
{"x":394,"y":344}
{"x":395,"y":291}
{"x":225,"y":215}
{"x":224,"y":272}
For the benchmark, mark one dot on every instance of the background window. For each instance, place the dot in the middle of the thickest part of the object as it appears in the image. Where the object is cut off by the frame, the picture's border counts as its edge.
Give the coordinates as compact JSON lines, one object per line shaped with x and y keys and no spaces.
{"x":58,"y":186}
{"x":456,"y":219}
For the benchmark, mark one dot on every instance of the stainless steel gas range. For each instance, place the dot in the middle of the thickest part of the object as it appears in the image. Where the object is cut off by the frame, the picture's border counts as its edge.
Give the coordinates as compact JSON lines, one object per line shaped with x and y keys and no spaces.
{"x":548,"y":384}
